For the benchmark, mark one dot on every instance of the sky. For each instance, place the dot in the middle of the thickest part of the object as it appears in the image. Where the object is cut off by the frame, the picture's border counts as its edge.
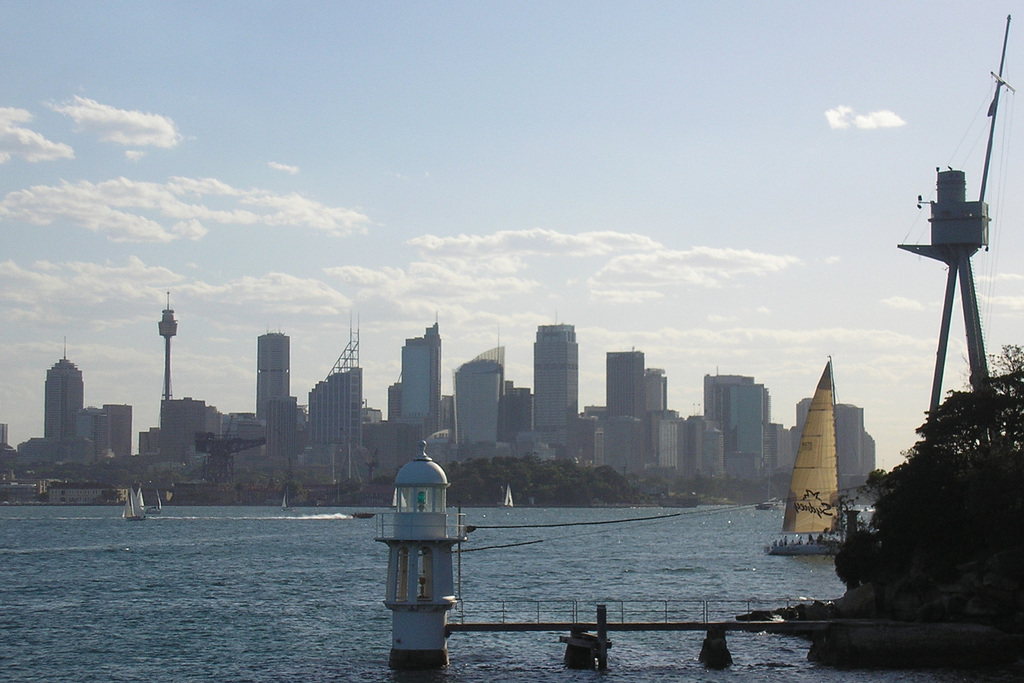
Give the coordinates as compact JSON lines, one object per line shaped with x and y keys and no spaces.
{"x":721,"y":185}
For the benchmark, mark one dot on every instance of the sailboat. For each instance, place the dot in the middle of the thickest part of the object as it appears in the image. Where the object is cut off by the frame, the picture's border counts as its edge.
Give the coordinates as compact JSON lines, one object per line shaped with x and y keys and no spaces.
{"x":134,"y":507}
{"x":507,"y":502}
{"x":284,"y":500}
{"x":812,"y":506}
{"x":155,"y":509}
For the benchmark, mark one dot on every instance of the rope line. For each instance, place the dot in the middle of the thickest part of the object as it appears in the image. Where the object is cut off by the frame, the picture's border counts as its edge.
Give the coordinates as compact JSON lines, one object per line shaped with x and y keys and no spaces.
{"x":473,"y":527}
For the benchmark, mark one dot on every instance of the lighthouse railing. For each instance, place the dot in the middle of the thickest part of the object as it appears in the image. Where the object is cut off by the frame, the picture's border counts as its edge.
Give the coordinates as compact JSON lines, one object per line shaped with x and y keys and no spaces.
{"x":454,"y":525}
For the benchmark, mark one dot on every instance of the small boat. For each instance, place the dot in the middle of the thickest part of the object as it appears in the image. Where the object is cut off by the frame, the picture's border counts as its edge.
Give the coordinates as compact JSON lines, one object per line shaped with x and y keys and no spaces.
{"x":770,"y":504}
{"x":507,"y":501}
{"x":134,"y":506}
{"x":284,"y":501}
{"x":812,"y":507}
{"x":362,"y":515}
{"x":155,"y":509}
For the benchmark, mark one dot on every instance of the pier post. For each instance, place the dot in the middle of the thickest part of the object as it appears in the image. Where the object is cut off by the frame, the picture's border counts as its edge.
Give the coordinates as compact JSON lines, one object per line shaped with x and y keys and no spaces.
{"x":714,"y":653}
{"x":602,"y":637}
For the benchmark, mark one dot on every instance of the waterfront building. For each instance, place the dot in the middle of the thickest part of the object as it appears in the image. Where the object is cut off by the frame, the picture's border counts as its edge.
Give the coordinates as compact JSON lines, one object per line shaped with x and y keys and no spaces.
{"x":421,"y":381}
{"x":556,"y":373}
{"x":272,"y":371}
{"x":64,"y":394}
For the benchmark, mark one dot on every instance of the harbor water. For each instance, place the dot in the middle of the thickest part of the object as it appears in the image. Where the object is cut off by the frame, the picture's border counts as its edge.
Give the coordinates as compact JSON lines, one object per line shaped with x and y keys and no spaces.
{"x":260,"y":594}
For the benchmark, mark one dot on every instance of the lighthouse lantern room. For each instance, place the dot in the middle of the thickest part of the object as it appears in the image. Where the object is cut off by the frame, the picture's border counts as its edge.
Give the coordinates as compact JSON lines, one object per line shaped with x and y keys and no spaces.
{"x":420,"y":588}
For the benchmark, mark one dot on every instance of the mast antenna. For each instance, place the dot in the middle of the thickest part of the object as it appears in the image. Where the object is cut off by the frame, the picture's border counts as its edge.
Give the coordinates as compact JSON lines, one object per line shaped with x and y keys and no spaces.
{"x":993,"y":108}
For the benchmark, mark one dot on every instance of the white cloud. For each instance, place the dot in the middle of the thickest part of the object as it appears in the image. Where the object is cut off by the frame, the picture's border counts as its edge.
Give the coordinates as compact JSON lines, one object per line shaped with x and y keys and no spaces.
{"x":120,"y":126}
{"x":700,"y":267}
{"x":130,"y":211}
{"x":843,"y":117}
{"x":56,"y":293}
{"x":903,"y":303}
{"x":16,"y":140}
{"x":535,"y":241}
{"x":134,"y":154}
{"x":283,"y":167}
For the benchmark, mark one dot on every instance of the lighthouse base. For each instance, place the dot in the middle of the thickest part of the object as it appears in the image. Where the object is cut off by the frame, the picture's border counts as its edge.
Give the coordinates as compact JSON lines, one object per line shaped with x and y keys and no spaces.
{"x":418,"y":659}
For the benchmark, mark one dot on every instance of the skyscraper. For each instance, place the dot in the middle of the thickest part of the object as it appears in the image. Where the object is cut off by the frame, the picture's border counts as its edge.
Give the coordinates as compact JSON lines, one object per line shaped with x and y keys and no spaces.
{"x":478,"y":388}
{"x":624,"y":384}
{"x":741,"y":409}
{"x":556,"y":378}
{"x":421,"y":380}
{"x":336,"y":403}
{"x":272,"y":371}
{"x":64,"y":393}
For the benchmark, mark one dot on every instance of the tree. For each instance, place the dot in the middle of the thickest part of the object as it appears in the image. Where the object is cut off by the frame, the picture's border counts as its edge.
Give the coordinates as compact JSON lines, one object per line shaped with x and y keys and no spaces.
{"x":959,"y":495}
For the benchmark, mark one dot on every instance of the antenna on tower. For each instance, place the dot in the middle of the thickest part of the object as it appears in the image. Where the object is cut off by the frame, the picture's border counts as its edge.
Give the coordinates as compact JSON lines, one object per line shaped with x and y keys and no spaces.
{"x":993,"y":108}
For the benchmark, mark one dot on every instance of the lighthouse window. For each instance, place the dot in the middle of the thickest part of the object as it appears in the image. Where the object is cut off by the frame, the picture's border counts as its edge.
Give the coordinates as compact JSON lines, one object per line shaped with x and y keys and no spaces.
{"x":402,"y":575}
{"x":426,"y":578}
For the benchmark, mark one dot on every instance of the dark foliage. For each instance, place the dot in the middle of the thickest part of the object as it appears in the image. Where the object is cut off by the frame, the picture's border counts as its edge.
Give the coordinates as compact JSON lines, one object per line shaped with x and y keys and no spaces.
{"x":959,"y":495}
{"x":537,"y":482}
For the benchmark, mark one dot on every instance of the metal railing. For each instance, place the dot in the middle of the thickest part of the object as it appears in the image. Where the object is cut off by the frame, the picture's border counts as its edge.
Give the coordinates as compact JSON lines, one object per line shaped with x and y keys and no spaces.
{"x":695,"y":610}
{"x":455,"y":525}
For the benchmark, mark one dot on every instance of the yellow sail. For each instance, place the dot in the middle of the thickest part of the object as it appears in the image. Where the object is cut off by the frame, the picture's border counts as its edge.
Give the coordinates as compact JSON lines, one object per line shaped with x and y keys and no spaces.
{"x":811,"y":506}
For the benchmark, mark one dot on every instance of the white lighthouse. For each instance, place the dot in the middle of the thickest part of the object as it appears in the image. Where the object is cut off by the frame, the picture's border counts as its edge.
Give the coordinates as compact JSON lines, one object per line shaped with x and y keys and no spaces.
{"x":420,"y":589}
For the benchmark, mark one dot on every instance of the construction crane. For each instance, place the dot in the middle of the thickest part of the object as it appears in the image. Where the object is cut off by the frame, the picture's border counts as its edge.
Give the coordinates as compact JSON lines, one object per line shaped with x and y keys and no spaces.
{"x":219,"y":467}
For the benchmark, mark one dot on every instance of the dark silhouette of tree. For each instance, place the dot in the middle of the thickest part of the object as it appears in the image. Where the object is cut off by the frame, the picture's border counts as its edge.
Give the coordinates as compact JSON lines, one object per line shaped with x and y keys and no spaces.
{"x":959,"y":495}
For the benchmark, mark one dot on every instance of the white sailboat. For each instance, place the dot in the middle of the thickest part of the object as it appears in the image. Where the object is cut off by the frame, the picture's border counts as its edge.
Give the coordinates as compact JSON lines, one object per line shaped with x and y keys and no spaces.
{"x":155,"y":509}
{"x":812,"y":506}
{"x":507,"y":502}
{"x":284,"y":500}
{"x":134,"y":507}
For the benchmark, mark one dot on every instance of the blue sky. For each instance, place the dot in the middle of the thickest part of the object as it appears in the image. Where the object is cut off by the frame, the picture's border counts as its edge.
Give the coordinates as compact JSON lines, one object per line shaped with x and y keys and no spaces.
{"x":719,"y":185}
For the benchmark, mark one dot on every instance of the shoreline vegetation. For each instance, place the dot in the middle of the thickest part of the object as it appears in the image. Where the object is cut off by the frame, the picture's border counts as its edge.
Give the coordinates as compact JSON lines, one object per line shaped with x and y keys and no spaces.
{"x":476,"y":483}
{"x":937,"y":577}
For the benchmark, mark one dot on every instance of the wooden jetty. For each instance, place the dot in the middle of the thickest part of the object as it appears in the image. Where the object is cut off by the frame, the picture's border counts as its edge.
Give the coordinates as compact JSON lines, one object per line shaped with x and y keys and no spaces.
{"x":587,"y":644}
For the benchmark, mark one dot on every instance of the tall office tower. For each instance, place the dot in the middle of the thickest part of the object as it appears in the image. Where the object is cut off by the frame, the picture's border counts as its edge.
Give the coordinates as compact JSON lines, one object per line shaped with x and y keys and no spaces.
{"x":421,"y":380}
{"x":624,"y":384}
{"x":556,"y":380}
{"x":64,"y":394}
{"x":335,"y":404}
{"x":168,"y":328}
{"x":655,"y":389}
{"x":180,"y":420}
{"x":516,"y":412}
{"x":282,"y":422}
{"x":478,"y":387}
{"x":119,"y":428}
{"x":741,"y":409}
{"x":272,"y":371}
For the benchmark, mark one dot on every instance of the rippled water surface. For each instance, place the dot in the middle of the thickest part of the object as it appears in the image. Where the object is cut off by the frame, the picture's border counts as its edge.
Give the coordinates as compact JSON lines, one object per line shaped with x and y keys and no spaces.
{"x":257,"y":594}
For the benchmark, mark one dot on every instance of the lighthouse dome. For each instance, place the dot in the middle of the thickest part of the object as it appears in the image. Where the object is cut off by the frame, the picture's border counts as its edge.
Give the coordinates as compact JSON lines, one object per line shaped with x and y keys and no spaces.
{"x":421,"y":471}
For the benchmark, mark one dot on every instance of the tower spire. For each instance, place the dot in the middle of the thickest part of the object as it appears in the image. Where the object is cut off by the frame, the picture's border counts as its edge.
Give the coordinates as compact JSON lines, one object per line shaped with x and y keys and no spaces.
{"x":168,"y":328}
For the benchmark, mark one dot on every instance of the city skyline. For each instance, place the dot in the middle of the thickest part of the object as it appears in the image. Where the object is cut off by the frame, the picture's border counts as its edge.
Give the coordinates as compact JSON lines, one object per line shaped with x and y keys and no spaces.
{"x":720,"y":186}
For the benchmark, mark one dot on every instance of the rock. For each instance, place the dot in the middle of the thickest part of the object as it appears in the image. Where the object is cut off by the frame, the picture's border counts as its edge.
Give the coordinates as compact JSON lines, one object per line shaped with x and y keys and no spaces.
{"x":892,"y":644}
{"x":858,"y":603}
